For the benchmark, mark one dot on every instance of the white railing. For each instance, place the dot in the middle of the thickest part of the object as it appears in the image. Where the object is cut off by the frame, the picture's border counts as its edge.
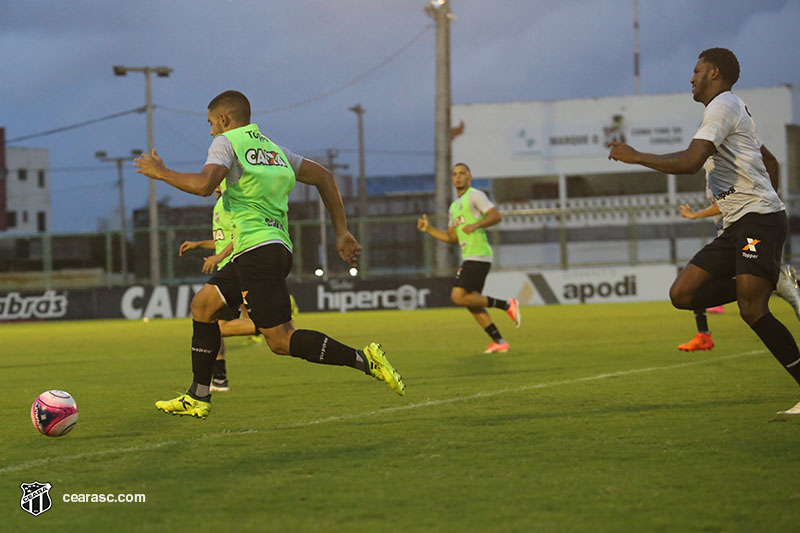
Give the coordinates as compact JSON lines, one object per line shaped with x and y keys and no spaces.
{"x":597,"y":211}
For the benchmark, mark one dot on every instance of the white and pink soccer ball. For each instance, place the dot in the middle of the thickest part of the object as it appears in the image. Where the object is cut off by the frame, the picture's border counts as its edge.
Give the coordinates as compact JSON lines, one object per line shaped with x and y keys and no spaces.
{"x":54,"y":413}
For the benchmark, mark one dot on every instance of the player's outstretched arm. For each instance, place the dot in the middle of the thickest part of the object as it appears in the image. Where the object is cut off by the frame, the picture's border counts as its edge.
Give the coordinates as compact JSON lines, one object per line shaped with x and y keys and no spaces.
{"x":193,"y":245}
{"x":200,"y":183}
{"x":492,"y":218}
{"x":688,"y":161}
{"x":312,"y":173}
{"x":772,"y":166}
{"x":448,"y":236}
{"x":686,"y":211}
{"x":211,"y":262}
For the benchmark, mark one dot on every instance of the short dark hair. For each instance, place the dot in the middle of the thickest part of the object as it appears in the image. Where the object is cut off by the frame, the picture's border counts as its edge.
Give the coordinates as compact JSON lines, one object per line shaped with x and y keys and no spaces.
{"x":724,"y":60}
{"x":463,"y":165}
{"x":236,"y":104}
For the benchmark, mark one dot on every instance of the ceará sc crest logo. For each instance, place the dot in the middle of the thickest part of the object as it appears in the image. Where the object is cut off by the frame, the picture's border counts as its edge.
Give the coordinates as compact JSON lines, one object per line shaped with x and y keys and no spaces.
{"x":35,"y":497}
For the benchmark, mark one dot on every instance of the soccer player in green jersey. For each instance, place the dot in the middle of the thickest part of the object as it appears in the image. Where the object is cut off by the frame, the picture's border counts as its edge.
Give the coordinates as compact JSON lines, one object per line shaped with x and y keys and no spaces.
{"x":225,"y":283}
{"x":470,"y":215}
{"x":258,"y":176}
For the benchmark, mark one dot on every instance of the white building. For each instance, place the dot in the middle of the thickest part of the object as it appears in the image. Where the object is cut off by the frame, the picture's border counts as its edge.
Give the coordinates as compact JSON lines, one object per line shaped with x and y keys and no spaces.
{"x":553,"y":155}
{"x":551,"y":141}
{"x":27,"y":190}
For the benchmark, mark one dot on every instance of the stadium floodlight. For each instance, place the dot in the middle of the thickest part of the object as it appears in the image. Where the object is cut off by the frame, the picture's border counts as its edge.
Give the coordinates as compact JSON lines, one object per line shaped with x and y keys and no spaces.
{"x":319,"y":272}
{"x":155,"y":252}
{"x":354,"y":271}
{"x":102,"y":155}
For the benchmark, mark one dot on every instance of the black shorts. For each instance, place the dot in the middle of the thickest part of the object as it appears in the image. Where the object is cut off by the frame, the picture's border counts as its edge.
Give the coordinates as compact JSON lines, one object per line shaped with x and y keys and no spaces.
{"x":227,"y":283}
{"x":751,"y":245}
{"x":262,"y":277}
{"x":471,"y":275}
{"x":229,"y":313}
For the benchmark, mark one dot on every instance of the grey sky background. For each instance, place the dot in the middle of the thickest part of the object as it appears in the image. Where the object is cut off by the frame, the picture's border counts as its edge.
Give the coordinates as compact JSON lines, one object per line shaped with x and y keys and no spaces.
{"x":58,"y":56}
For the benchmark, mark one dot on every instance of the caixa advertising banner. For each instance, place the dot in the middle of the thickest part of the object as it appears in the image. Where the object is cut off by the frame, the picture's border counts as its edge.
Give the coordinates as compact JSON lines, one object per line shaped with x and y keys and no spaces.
{"x":173,"y":301}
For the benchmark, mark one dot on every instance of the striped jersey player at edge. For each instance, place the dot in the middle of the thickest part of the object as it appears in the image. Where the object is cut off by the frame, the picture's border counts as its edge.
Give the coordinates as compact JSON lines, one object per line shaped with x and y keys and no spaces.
{"x":259,"y":175}
{"x":469,"y":216}
{"x":743,"y":263}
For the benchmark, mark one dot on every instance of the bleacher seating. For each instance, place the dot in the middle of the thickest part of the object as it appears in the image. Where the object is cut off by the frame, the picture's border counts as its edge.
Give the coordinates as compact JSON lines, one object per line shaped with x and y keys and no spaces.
{"x":597,"y":211}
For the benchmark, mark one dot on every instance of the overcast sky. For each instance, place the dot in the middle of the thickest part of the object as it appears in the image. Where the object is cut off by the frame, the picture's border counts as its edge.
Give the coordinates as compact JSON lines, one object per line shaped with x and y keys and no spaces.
{"x":57,"y":59}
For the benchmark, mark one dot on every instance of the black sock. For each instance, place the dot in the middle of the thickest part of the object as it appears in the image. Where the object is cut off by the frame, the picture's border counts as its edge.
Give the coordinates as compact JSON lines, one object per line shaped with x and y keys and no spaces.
{"x":491,"y":330}
{"x":219,"y":369}
{"x":715,"y":292}
{"x":780,"y":342}
{"x":495,"y":302}
{"x":317,"y":347}
{"x":701,"y":320}
{"x":205,"y":347}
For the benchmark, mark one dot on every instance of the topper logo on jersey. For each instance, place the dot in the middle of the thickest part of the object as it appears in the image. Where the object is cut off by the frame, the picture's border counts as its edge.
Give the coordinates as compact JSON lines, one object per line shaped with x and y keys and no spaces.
{"x":750,"y":247}
{"x":256,"y":135}
{"x":405,"y":298}
{"x":13,"y":306}
{"x":257,"y":156}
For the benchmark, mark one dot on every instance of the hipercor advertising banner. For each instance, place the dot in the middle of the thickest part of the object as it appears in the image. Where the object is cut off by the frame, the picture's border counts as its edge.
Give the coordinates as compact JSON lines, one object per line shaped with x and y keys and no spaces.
{"x":173,"y":301}
{"x":590,"y":285}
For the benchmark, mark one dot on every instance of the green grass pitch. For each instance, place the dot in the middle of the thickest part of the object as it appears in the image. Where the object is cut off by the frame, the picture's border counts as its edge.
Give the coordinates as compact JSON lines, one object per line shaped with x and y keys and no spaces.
{"x":594,"y":421}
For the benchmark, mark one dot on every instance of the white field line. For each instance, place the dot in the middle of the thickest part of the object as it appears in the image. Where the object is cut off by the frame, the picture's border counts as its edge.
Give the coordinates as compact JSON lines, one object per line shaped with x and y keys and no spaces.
{"x":431,"y":403}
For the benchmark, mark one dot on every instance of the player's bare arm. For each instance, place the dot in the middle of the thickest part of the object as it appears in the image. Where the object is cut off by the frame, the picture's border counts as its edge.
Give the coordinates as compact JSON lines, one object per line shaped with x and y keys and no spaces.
{"x":211,"y":262}
{"x":771,"y":163}
{"x":194,"y":245}
{"x":448,"y":236}
{"x":200,"y":183}
{"x":493,"y":217}
{"x":687,"y":212}
{"x":688,"y":161}
{"x":312,"y":173}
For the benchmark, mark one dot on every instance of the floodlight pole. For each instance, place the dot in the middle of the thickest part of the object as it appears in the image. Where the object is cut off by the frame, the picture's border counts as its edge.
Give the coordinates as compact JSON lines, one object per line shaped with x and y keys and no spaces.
{"x":323,"y":233}
{"x":439,"y":10}
{"x":123,"y":231}
{"x":636,"y":46}
{"x":362,"y":191}
{"x":162,"y":72}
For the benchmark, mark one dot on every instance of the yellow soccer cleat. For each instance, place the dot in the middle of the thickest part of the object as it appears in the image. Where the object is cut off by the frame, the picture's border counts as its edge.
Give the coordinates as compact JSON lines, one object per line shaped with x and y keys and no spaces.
{"x":380,"y":368}
{"x":185,"y":405}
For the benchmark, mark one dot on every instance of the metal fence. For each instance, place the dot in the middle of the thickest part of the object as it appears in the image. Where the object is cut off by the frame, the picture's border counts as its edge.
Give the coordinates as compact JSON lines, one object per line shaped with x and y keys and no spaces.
{"x":528,"y":238}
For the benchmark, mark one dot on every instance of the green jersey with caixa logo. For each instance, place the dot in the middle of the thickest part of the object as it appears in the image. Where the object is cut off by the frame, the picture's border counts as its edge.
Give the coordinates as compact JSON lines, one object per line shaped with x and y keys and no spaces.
{"x":259,"y":200}
{"x":475,"y":244}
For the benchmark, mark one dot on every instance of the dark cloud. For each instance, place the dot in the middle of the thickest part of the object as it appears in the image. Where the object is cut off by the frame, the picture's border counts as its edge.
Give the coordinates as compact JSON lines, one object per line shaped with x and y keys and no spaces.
{"x":280,"y":53}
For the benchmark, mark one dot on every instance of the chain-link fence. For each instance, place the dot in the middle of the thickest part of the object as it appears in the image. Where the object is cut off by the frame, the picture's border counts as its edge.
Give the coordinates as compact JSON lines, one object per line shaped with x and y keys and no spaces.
{"x":528,"y":238}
